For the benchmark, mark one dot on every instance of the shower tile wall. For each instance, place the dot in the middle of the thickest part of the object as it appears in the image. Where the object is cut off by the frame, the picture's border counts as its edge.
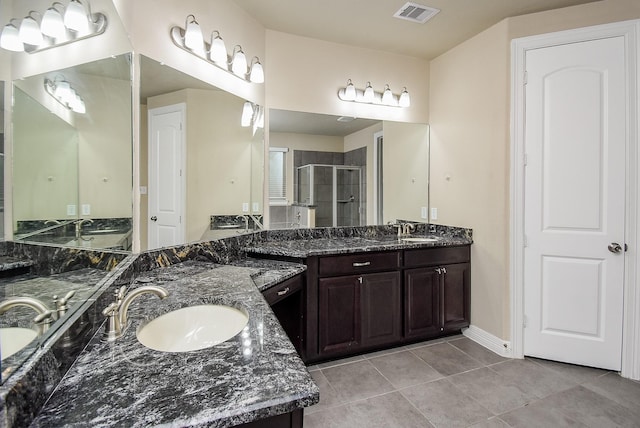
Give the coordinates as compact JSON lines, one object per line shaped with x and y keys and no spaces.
{"x":324,"y":183}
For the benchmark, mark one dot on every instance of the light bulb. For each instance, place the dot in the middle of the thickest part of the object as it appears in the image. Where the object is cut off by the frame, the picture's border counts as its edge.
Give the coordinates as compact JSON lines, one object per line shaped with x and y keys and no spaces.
{"x":62,"y":91}
{"x":29,"y":32}
{"x":350,"y":91}
{"x":239,"y":63}
{"x":404,"y":100}
{"x":368,"y":93}
{"x":387,"y":96}
{"x":256,"y":75}
{"x":52,"y":24}
{"x":247,"y":114}
{"x":193,"y":36}
{"x":218,"y":52}
{"x":10,"y":39}
{"x":75,"y":17}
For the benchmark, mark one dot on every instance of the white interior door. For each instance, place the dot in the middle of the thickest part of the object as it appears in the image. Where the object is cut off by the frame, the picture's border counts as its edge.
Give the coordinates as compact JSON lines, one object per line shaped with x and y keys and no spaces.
{"x":574,"y":199}
{"x":166,"y":178}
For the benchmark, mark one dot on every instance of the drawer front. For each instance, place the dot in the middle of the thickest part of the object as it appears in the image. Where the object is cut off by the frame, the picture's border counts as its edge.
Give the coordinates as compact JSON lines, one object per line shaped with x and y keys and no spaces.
{"x":354,"y":264}
{"x":283,"y":290}
{"x":436,"y":256}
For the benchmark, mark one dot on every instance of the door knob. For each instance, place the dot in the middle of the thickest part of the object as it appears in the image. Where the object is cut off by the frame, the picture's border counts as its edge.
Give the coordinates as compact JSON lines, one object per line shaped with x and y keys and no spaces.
{"x":614,"y":247}
{"x":154,"y":218}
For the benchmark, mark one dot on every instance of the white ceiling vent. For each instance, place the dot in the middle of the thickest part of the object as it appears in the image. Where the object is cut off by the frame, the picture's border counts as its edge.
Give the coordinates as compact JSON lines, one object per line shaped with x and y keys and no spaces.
{"x":416,"y":12}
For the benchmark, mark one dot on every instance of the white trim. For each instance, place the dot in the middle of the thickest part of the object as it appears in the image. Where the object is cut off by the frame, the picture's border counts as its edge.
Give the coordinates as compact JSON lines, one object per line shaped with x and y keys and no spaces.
{"x":630,"y":30}
{"x":376,"y":173}
{"x":489,"y":341}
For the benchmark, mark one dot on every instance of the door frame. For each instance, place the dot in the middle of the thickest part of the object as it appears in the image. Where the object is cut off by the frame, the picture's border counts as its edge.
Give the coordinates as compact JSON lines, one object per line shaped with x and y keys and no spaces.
{"x":630,"y":30}
{"x":182,"y":109}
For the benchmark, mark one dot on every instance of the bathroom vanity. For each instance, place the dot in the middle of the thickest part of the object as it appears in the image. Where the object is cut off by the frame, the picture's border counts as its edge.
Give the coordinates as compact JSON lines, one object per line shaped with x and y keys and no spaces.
{"x":369,"y":292}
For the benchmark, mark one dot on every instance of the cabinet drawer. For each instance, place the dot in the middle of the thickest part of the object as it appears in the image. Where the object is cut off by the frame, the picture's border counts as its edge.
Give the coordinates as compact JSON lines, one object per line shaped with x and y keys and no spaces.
{"x":283,"y":290}
{"x":436,"y":256}
{"x":358,"y":263}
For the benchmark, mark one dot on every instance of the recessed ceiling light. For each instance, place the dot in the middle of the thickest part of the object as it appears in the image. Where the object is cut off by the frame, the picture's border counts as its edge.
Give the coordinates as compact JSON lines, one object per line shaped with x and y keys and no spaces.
{"x":416,"y":12}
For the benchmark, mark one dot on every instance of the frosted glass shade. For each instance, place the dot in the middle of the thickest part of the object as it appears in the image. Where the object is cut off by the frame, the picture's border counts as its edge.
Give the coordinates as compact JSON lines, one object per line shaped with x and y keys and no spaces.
{"x":29,"y":32}
{"x":75,"y":17}
{"x":10,"y":40}
{"x":53,"y":24}
{"x":239,"y":63}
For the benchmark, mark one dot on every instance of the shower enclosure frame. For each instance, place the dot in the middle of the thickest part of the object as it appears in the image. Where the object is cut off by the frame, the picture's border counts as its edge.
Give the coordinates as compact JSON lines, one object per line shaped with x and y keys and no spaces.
{"x":335,"y":201}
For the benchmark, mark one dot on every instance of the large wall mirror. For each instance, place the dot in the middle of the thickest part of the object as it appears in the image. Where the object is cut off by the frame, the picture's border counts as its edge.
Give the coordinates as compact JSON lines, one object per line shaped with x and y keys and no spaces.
{"x":328,"y":171}
{"x":222,"y":160}
{"x":72,"y":167}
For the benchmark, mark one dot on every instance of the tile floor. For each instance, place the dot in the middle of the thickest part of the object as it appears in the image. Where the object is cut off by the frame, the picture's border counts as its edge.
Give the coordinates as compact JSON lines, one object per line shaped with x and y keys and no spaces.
{"x":457,"y":383}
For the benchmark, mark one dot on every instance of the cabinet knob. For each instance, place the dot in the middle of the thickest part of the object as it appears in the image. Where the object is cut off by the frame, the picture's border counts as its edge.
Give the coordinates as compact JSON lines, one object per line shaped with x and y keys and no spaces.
{"x":360,"y":280}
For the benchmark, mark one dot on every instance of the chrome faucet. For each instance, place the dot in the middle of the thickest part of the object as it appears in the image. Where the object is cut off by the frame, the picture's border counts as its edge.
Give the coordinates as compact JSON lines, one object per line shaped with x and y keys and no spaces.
{"x":45,"y":316}
{"x":116,"y":312}
{"x":79,"y":224}
{"x":404,"y":229}
{"x":246,"y":222}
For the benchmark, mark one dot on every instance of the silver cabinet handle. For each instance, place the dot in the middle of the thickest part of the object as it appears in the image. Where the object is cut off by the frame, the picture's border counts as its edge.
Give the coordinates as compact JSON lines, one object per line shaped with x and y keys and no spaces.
{"x":283,"y":292}
{"x":614,"y":247}
{"x":438,"y":271}
{"x":444,"y":270}
{"x":360,"y":264}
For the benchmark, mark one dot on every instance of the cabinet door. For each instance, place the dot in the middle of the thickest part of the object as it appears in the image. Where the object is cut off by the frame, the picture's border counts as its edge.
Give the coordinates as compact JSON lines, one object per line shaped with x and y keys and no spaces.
{"x":381,"y":308}
{"x":421,"y":303}
{"x":456,"y":296}
{"x":338,"y":314}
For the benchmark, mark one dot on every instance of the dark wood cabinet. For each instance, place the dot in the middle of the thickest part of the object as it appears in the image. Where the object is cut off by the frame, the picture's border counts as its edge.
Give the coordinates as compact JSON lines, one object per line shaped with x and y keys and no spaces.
{"x":421,"y":303}
{"x":354,"y":303}
{"x":437,"y":300}
{"x":358,"y":311}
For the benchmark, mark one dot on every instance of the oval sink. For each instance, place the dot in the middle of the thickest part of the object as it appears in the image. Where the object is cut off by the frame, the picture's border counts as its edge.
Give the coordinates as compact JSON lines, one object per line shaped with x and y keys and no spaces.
{"x":192,"y":328}
{"x":418,"y":239}
{"x":13,"y":339}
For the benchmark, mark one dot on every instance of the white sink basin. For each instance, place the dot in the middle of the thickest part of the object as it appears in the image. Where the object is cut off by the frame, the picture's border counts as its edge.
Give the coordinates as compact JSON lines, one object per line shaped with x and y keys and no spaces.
{"x":418,"y":239}
{"x":192,"y":328}
{"x":13,"y":339}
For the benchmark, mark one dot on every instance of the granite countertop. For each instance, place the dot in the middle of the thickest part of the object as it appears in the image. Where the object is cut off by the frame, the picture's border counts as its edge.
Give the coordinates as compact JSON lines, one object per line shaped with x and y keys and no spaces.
{"x":302,"y":248}
{"x":248,"y":377}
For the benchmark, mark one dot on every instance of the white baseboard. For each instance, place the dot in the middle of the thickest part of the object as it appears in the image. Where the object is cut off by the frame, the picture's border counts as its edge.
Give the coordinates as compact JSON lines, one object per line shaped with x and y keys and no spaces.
{"x":489,"y":341}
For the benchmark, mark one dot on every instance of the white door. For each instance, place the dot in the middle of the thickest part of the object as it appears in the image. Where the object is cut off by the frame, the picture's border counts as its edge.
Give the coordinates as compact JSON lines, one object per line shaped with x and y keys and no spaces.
{"x":574,"y":197}
{"x":166,"y":178}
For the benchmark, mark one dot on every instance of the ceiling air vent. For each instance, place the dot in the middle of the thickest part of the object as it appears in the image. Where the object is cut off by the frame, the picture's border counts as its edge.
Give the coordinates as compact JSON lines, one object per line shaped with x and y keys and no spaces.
{"x":416,"y":13}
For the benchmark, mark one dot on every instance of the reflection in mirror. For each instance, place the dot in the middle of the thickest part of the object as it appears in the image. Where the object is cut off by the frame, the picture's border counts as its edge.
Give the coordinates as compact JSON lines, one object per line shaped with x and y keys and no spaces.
{"x":1,"y":160}
{"x":217,"y":163}
{"x":72,"y":168}
{"x":331,"y":171}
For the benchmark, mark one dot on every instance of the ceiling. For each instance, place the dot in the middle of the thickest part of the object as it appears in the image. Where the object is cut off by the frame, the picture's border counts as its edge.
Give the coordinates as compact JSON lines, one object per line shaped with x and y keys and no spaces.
{"x":370,"y":23}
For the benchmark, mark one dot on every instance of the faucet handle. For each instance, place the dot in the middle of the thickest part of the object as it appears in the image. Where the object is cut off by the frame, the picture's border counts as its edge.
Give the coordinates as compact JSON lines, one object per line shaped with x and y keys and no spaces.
{"x":44,"y":320}
{"x":111,"y":310}
{"x":119,"y":294}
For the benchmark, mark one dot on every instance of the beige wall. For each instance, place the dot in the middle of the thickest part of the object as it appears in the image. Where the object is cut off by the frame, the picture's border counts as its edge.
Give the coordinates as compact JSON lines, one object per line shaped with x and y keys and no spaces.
{"x":305,"y":74}
{"x":104,"y":150}
{"x":470,"y":163}
{"x":218,"y":156}
{"x":405,"y":171}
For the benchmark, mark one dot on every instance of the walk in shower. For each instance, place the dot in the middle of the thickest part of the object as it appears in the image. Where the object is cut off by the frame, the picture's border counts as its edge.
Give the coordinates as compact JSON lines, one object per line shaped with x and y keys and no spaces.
{"x":335,"y":190}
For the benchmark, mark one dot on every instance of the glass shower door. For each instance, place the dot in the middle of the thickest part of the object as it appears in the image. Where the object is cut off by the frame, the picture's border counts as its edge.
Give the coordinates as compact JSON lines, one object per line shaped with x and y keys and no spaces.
{"x":347,"y":199}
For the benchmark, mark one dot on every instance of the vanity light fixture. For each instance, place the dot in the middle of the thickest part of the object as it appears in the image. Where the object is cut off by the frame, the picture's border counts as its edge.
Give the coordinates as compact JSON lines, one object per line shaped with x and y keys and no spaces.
{"x":62,"y":92}
{"x":247,"y":114}
{"x":252,"y":115}
{"x":214,"y":51}
{"x":52,"y":24}
{"x":218,"y":50}
{"x":29,"y":32}
{"x":238,"y":62}
{"x":10,"y":38}
{"x":59,"y":26}
{"x":370,"y":96}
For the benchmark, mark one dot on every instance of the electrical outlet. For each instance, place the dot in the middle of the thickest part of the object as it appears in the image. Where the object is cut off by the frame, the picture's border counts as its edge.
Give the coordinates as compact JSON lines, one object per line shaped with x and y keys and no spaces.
{"x":256,"y":207}
{"x":143,"y":190}
{"x":423,"y":212}
{"x":245,"y":207}
{"x":86,"y":209}
{"x":434,"y":213}
{"x":71,"y":209}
